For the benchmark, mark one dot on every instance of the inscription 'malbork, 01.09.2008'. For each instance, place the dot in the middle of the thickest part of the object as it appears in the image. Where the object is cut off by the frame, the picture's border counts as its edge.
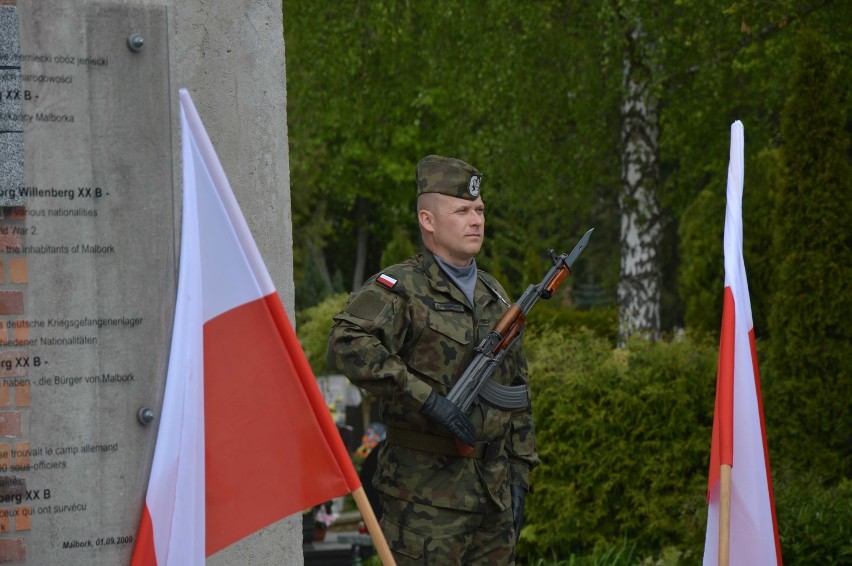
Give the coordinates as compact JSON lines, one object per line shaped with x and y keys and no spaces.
{"x":87,"y":276}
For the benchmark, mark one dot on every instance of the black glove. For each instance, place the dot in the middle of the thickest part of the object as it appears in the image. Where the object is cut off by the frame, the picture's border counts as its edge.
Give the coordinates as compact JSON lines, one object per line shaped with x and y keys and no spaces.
{"x":442,"y":411}
{"x":519,"y":495}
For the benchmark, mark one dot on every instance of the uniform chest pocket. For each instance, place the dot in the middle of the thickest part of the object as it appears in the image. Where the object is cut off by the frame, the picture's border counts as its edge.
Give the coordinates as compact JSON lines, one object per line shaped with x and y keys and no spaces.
{"x":442,"y":345}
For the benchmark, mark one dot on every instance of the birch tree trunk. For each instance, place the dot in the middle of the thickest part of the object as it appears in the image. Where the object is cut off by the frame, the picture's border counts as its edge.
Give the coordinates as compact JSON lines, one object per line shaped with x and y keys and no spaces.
{"x":641,"y":228}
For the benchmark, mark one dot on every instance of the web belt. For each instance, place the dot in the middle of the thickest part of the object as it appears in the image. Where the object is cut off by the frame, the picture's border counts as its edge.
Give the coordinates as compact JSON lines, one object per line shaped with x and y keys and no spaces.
{"x":443,"y":445}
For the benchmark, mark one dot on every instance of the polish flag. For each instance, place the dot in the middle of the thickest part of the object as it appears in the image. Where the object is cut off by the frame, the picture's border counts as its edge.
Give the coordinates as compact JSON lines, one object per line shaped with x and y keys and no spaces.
{"x":245,"y":438}
{"x":739,"y":434}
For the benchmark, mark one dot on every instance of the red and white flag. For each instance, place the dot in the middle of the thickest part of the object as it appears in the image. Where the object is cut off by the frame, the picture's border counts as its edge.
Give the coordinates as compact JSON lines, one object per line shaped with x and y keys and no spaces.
{"x":245,"y":438}
{"x":739,"y":434}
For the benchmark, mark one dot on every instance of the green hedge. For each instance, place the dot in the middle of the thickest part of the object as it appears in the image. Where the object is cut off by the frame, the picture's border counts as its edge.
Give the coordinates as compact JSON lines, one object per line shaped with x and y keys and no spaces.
{"x":624,"y":437}
{"x":602,"y":321}
{"x":312,"y":328}
{"x":814,"y":519}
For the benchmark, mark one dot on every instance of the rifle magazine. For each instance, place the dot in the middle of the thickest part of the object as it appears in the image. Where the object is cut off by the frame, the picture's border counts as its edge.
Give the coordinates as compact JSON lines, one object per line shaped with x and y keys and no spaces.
{"x":504,"y":396}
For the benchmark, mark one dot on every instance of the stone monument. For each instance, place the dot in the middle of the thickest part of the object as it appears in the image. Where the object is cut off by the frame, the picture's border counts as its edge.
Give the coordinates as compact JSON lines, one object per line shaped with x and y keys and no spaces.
{"x":90,"y":198}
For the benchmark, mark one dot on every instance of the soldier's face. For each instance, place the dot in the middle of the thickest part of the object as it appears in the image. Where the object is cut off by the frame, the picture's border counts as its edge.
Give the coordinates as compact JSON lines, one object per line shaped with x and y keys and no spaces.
{"x":458,"y":228}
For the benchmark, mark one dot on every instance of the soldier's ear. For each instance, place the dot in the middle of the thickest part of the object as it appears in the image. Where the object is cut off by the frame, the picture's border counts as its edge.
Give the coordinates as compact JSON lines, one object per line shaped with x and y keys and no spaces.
{"x":426,"y":220}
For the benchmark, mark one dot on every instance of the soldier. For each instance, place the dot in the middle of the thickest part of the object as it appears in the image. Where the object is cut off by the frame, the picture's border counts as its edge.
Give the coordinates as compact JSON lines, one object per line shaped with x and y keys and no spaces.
{"x":406,"y":336}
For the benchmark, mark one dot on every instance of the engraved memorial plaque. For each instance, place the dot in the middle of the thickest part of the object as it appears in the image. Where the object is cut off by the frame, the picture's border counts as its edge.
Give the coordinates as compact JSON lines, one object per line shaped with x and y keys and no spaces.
{"x":89,"y":268}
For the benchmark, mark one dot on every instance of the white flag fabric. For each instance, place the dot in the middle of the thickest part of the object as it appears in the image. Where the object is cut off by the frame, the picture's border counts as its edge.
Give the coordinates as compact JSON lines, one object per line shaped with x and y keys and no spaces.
{"x":739,"y":436}
{"x":245,"y":437}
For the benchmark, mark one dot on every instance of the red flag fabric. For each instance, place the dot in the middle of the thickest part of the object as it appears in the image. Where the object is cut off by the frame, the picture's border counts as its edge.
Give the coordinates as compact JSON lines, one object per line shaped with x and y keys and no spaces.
{"x":245,"y":437}
{"x":739,"y":433}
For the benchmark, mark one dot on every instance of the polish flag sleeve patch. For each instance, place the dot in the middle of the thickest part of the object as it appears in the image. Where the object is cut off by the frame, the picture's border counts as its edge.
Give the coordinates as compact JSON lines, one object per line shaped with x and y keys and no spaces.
{"x":386,"y":280}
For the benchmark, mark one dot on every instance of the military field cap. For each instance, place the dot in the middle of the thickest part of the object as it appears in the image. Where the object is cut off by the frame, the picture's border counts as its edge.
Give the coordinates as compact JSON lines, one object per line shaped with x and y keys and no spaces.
{"x":448,"y":176}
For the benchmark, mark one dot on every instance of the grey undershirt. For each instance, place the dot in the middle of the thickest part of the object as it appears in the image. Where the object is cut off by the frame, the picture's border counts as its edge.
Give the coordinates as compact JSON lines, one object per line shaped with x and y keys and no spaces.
{"x":463,"y":277}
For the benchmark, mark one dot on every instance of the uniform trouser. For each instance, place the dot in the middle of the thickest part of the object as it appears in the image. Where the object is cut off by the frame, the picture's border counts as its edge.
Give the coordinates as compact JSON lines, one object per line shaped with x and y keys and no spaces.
{"x":425,"y":535}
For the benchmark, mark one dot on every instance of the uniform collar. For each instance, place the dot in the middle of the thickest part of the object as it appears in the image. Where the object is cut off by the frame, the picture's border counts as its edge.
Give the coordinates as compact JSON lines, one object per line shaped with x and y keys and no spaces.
{"x":441,"y":283}
{"x":439,"y":280}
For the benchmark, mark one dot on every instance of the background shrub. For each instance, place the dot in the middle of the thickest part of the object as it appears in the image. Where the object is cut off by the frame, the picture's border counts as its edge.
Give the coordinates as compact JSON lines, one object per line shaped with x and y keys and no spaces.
{"x":814,"y":519}
{"x":624,"y":437}
{"x":313,"y":326}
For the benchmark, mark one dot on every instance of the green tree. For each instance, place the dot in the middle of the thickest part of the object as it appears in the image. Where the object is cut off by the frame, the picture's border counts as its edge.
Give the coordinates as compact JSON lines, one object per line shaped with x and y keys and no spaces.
{"x":701,"y":272}
{"x":400,"y":246}
{"x":701,"y":276}
{"x":535,"y":95}
{"x":371,"y":88}
{"x":313,"y":286}
{"x":735,"y":73}
{"x":352,"y":138}
{"x":811,"y":339}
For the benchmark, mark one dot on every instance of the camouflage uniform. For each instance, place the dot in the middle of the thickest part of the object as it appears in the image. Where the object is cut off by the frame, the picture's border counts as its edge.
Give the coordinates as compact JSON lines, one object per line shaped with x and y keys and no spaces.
{"x":409,"y":331}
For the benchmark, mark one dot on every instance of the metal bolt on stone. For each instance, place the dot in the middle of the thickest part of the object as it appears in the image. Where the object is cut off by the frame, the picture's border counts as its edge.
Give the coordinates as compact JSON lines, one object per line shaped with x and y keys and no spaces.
{"x":135,"y":42}
{"x":145,"y":416}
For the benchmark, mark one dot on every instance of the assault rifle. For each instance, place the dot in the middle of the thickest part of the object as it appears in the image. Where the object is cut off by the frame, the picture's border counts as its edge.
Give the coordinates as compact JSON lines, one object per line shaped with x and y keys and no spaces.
{"x":475,"y":381}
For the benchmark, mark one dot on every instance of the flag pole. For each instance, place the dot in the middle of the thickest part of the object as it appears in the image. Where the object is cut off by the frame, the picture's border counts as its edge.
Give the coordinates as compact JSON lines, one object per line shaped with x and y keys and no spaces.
{"x":724,"y":514}
{"x":373,"y":527}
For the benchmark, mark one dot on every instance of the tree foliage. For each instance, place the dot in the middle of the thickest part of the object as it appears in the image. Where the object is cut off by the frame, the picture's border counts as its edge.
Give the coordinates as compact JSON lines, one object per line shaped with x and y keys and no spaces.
{"x":374,"y":87}
{"x":811,"y":346}
{"x":531,"y":93}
